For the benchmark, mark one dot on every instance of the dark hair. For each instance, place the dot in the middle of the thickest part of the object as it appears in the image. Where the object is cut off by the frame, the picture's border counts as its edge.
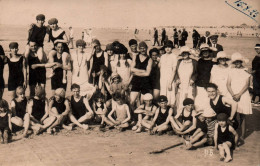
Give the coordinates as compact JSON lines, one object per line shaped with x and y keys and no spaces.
{"x":118,"y":96}
{"x":211,"y":85}
{"x":126,"y":62}
{"x":153,"y":50}
{"x":98,"y":95}
{"x":75,"y":86}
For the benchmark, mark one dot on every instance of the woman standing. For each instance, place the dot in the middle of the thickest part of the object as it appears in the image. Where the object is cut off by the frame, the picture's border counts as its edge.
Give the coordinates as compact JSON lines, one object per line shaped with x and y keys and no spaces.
{"x":186,"y":73}
{"x":17,"y":69}
{"x":219,"y":73}
{"x":80,"y":69}
{"x":155,"y":73}
{"x":237,"y":85}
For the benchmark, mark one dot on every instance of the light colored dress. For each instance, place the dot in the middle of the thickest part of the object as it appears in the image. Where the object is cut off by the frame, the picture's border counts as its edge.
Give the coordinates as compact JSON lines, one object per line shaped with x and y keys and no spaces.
{"x":80,"y":73}
{"x":123,"y":71}
{"x":239,"y":77}
{"x":219,"y":77}
{"x":185,"y":71}
{"x":168,"y":64}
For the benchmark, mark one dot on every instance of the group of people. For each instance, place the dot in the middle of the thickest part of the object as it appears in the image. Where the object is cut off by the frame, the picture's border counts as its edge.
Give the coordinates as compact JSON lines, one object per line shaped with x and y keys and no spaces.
{"x":197,"y":95}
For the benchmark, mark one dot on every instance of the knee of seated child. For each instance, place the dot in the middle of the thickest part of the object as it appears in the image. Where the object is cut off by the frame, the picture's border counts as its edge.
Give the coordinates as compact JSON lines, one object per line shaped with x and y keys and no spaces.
{"x":54,"y":111}
{"x":89,"y":115}
{"x":187,"y":123}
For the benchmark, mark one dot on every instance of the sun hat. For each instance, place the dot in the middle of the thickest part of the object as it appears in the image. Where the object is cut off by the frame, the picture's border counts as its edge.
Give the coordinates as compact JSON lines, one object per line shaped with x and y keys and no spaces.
{"x":257,"y":46}
{"x":213,"y":37}
{"x":208,"y":113}
{"x":199,"y":113}
{"x":162,"y":98}
{"x":96,"y":41}
{"x":188,"y":101}
{"x":40,"y":17}
{"x":237,"y":57}
{"x":53,"y":21}
{"x":222,"y":54}
{"x":222,"y":117}
{"x":60,"y":92}
{"x":185,"y":49}
{"x":204,"y":46}
{"x":13,"y":45}
{"x":148,"y":96}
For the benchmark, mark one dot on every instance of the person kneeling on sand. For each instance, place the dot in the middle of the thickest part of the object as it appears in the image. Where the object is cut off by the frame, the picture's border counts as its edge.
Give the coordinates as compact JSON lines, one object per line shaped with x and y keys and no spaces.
{"x":225,"y":137}
{"x":121,"y":111}
{"x":162,"y":117}
{"x":80,"y":109}
{"x":37,"y":108}
{"x":148,"y":110}
{"x":59,"y":107}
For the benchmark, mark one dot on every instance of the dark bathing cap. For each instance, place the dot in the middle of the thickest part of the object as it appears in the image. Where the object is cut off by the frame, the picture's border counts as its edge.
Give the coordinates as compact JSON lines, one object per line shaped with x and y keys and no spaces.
{"x":13,"y":45}
{"x":222,"y":117}
{"x":53,"y":21}
{"x":143,"y":44}
{"x":96,"y":41}
{"x":40,"y":17}
{"x":187,"y":101}
{"x":80,"y":42}
{"x":169,"y":43}
{"x":162,"y":98}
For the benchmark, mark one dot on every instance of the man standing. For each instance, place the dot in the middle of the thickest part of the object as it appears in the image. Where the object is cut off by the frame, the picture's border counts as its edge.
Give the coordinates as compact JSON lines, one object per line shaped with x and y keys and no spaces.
{"x":71,"y":36}
{"x":156,"y":37}
{"x":214,"y":43}
{"x":195,"y":38}
{"x":163,"y":37}
{"x":175,"y":37}
{"x":184,"y":36}
{"x":205,"y":39}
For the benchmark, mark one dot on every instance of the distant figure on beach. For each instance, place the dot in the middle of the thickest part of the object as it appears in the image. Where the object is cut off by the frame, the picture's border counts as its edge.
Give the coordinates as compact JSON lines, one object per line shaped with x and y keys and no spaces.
{"x":37,"y":34}
{"x":88,"y":36}
{"x":163,"y":40}
{"x":195,"y":38}
{"x":205,"y":39}
{"x":175,"y":38}
{"x":155,"y":36}
{"x":184,"y":36}
{"x":71,"y":36}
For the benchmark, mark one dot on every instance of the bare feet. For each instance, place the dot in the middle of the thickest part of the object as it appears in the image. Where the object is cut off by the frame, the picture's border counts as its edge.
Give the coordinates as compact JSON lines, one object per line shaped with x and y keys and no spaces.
{"x":228,"y":159}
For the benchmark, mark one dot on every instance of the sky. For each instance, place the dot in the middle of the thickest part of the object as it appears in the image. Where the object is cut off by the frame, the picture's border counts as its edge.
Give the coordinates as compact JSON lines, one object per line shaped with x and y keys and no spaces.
{"x":126,"y":13}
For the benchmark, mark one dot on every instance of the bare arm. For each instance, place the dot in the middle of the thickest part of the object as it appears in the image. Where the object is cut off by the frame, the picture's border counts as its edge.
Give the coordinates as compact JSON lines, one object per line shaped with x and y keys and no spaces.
{"x":233,"y":131}
{"x":168,"y":118}
{"x":146,"y":72}
{"x":233,"y":105}
{"x":85,"y":100}
{"x":139,"y":110}
{"x":110,"y":116}
{"x":46,"y":111}
{"x":13,"y":110}
{"x":155,"y":116}
{"x":68,"y":108}
{"x":128,"y":114}
{"x":192,"y":127}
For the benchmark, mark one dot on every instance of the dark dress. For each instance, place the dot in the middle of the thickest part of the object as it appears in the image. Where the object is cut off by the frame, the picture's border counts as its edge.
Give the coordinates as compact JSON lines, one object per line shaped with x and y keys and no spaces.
{"x":78,"y":108}
{"x":162,"y":116}
{"x":59,"y":37}
{"x":56,"y":80}
{"x":16,"y":77}
{"x":256,"y":76}
{"x":204,"y":69}
{"x":221,"y":108}
{"x":141,"y":84}
{"x":97,"y":62}
{"x":225,"y":136}
{"x":38,"y":75}
{"x":20,"y":108}
{"x":155,"y":77}
{"x":38,"y":109}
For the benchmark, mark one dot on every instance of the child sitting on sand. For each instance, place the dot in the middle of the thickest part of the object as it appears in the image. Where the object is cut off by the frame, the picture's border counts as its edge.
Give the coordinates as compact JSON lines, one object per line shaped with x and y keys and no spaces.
{"x":162,"y":116}
{"x":5,"y":122}
{"x":100,"y":110}
{"x":199,"y":137}
{"x":148,"y":110}
{"x":224,"y":137}
{"x":121,"y":111}
{"x":186,"y":115}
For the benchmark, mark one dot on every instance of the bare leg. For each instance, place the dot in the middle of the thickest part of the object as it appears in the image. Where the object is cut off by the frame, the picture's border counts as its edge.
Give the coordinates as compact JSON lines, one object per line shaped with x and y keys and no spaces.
{"x":226,"y":146}
{"x":175,"y":124}
{"x":26,"y":124}
{"x":221,"y":152}
{"x":133,"y":98}
{"x":146,"y":123}
{"x":76,"y":122}
{"x":85,"y":117}
{"x":124,"y":125}
{"x":64,"y":62}
{"x":162,"y":128}
{"x":47,"y":122}
{"x":243,"y":125}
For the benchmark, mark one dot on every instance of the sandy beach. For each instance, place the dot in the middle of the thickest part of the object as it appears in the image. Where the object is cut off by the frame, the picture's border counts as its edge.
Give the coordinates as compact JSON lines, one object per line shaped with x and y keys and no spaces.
{"x":93,"y":147}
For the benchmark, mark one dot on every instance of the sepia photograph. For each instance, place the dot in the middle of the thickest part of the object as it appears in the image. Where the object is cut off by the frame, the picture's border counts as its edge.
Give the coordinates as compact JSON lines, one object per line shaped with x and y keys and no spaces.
{"x":129,"y":82}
